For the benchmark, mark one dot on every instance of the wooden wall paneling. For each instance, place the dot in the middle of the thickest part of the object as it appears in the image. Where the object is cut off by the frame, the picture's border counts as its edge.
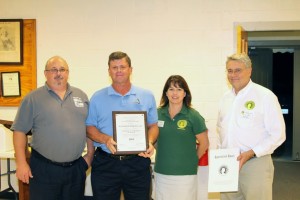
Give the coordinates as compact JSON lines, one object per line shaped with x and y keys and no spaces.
{"x":242,"y":40}
{"x":28,"y":79}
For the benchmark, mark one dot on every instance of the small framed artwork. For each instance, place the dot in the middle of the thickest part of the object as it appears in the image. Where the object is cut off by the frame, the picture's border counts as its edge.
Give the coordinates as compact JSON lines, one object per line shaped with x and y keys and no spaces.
{"x":11,"y":41}
{"x":10,"y":84}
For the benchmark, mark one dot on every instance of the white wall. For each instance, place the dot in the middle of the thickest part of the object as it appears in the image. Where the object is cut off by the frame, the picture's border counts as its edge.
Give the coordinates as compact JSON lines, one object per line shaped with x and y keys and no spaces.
{"x":163,"y":37}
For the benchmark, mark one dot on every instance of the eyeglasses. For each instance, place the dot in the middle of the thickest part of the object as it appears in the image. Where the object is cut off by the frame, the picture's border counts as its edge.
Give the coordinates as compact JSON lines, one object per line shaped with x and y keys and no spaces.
{"x":234,"y":71}
{"x":55,"y":71}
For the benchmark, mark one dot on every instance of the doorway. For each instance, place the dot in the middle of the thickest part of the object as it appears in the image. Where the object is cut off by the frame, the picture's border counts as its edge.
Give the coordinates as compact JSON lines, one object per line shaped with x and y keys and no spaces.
{"x":274,"y":36}
{"x":273,"y":69}
{"x":283,"y":70}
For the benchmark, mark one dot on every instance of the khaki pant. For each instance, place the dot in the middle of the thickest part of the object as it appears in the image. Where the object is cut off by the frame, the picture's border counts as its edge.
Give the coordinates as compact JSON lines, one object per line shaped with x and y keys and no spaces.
{"x":255,"y":180}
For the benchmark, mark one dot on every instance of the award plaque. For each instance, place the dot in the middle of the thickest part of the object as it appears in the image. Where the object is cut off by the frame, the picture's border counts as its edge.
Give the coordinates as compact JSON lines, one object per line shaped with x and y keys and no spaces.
{"x":130,"y":131}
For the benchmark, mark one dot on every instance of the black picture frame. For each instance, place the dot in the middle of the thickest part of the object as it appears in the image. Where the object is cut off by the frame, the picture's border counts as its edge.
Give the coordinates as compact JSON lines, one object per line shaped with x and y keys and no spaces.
{"x":10,"y":84}
{"x":11,"y":41}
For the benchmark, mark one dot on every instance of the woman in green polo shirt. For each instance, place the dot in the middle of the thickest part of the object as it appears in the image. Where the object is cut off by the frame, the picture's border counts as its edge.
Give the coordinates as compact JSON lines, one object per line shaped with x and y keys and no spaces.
{"x":176,"y":155}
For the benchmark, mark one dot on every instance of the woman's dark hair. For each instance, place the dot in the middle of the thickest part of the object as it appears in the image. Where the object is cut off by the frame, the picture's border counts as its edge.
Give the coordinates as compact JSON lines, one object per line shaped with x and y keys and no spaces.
{"x":179,"y":82}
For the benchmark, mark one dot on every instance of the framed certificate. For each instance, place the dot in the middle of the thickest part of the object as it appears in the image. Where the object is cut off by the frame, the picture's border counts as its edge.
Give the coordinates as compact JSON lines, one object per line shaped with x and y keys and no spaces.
{"x":130,"y":131}
{"x":10,"y":84}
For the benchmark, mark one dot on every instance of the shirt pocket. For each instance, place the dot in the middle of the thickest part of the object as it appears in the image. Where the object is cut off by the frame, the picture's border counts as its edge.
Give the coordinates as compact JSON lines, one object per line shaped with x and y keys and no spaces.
{"x":245,"y":119}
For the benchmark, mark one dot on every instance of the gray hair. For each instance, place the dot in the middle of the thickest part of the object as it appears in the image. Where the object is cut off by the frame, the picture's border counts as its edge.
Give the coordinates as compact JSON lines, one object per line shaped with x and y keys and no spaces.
{"x":240,"y":57}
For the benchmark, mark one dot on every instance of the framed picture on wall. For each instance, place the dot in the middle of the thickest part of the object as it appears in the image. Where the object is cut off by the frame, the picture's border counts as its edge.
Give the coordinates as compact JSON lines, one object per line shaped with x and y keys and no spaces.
{"x":11,"y":41}
{"x":10,"y":84}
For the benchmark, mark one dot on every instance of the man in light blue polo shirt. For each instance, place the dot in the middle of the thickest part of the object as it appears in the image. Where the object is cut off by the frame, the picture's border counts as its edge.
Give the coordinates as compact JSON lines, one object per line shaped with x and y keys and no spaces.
{"x":113,"y":173}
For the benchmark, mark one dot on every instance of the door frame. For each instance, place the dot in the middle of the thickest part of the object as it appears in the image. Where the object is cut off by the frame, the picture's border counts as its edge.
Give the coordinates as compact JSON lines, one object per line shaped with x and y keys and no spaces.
{"x":295,"y":44}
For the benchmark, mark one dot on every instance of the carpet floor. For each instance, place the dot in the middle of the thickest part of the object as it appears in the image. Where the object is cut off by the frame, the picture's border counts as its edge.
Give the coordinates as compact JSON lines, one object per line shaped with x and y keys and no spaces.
{"x":286,"y":185}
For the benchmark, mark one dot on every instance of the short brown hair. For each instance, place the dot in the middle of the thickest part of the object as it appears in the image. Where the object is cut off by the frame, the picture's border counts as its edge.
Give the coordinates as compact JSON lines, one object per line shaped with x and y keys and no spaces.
{"x":119,"y":55}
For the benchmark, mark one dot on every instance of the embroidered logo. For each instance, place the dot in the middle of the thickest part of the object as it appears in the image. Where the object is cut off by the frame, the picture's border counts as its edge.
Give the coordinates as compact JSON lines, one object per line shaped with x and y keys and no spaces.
{"x":181,"y":124}
{"x":250,"y":105}
{"x":78,"y":102}
{"x":247,"y":114}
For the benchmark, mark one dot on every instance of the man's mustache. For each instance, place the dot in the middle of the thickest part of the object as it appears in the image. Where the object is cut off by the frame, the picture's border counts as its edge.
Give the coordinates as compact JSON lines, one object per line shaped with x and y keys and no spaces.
{"x":59,"y":77}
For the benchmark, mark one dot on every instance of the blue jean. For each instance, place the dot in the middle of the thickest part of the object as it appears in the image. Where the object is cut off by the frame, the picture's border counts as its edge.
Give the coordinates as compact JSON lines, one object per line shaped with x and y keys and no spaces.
{"x":110,"y":176}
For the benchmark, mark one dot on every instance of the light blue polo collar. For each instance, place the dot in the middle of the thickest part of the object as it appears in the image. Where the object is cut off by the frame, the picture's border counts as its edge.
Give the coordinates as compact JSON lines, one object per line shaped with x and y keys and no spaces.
{"x":132,"y":91}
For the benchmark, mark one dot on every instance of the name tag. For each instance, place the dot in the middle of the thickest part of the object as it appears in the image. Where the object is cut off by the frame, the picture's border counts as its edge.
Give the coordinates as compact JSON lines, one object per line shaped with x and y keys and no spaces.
{"x":160,"y":123}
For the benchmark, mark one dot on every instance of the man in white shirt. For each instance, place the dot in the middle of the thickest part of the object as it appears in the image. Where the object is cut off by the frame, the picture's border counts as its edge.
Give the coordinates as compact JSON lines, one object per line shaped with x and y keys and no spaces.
{"x":250,"y":118}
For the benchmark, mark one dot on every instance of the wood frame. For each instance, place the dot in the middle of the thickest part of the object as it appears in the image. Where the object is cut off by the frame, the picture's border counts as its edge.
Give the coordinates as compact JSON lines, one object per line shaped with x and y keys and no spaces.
{"x":242,"y":40}
{"x":132,"y":128}
{"x":28,"y":79}
{"x":11,"y":41}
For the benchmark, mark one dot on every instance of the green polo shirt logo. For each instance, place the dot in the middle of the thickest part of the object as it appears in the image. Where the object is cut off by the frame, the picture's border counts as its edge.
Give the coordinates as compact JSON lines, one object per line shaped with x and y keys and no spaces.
{"x":249,"y":105}
{"x":181,"y":124}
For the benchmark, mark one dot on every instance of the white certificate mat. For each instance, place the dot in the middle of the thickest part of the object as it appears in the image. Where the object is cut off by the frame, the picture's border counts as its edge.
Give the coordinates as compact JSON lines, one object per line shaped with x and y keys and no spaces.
{"x":223,"y":173}
{"x":10,"y":83}
{"x":130,"y":132}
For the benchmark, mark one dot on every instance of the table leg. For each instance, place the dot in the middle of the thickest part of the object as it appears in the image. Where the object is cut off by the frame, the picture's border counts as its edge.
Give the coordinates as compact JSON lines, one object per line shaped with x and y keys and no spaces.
{"x":9,"y":172}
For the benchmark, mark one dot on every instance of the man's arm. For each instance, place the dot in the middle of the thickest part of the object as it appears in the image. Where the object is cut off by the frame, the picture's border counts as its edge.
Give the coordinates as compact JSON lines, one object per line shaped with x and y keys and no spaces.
{"x":90,"y":151}
{"x":23,"y":171}
{"x":245,"y":156}
{"x":94,"y":134}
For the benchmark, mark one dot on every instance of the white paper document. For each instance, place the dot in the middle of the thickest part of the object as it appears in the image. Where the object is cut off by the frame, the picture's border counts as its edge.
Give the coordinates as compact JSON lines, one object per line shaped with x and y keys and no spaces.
{"x":131,"y":132}
{"x":223,"y":173}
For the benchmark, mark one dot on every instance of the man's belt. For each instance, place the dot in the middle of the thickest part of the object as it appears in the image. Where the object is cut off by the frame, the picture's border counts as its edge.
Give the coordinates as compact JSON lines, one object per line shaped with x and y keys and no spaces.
{"x":62,"y":164}
{"x":117,"y":157}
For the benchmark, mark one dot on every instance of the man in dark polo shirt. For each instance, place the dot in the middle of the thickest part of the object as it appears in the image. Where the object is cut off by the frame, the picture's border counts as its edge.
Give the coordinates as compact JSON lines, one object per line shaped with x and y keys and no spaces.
{"x":55,"y":113}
